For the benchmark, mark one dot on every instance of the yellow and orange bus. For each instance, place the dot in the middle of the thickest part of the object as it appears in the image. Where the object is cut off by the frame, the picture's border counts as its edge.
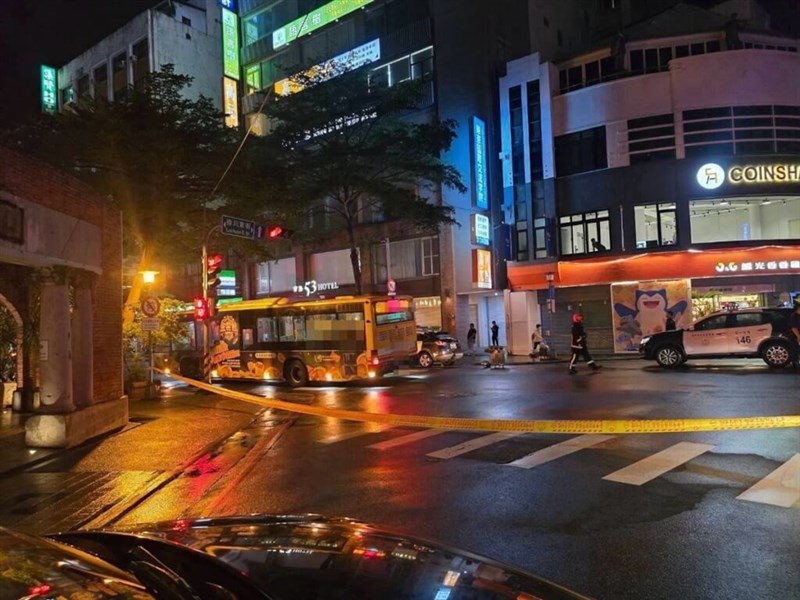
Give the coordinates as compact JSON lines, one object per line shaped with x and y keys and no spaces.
{"x":279,"y":339}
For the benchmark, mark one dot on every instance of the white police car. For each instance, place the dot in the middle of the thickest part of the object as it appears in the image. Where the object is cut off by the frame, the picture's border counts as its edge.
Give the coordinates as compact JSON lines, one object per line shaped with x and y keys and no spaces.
{"x":748,"y":333}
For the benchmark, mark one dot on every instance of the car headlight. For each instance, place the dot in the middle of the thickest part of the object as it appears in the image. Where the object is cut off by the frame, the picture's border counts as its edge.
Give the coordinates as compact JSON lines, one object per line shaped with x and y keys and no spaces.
{"x":644,"y":340}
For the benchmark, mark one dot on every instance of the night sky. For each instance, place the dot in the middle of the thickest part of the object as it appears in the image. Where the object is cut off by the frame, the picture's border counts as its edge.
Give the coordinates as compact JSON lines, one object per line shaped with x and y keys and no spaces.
{"x":36,"y":32}
{"x":51,"y":32}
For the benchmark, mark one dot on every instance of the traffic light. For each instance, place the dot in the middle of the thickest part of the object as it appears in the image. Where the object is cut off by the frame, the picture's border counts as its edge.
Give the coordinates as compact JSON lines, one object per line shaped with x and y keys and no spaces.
{"x":213,"y":266}
{"x":274,"y":232}
{"x":201,"y":312}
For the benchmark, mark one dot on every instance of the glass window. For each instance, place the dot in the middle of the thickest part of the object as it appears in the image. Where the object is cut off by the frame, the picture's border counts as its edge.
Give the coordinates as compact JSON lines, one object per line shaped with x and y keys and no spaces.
{"x":745,"y":219}
{"x":585,"y":233}
{"x":252,"y":78}
{"x":592,"y":72}
{"x":655,"y":225}
{"x":276,"y":276}
{"x":716,"y":322}
{"x":422,"y":64}
{"x":411,"y":259}
{"x":749,"y":319}
{"x":581,"y":151}
{"x":637,"y":62}
{"x":266,"y":329}
{"x":141,"y":60}
{"x":331,"y":267}
{"x":100,"y":75}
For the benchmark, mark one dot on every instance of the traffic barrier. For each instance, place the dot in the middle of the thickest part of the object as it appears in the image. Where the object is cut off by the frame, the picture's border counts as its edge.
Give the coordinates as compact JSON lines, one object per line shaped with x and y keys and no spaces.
{"x":579,"y":426}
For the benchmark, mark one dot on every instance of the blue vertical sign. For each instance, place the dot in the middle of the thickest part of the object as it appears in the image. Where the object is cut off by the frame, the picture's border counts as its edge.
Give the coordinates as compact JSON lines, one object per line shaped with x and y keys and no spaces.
{"x":479,"y":163}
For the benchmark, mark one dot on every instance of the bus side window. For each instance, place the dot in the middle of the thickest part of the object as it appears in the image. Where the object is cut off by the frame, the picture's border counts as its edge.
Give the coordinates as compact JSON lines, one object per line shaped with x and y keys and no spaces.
{"x":266,"y":329}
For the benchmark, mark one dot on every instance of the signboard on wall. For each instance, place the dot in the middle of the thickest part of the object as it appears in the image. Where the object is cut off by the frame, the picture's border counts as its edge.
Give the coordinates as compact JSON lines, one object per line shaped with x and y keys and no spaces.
{"x":348,"y":61}
{"x":639,"y":309}
{"x":230,"y":44}
{"x":49,"y":89}
{"x":229,"y":4}
{"x":479,"y":163}
{"x":481,"y":229}
{"x":482,"y":268}
{"x":312,"y":21}
{"x":230,"y":94}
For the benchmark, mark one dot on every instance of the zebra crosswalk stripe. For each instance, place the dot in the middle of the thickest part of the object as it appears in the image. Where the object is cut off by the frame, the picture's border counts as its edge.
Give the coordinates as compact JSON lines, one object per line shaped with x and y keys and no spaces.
{"x":474,"y":444}
{"x":780,"y":488}
{"x":659,"y":463}
{"x":407,"y":439}
{"x":353,"y":434}
{"x":555,"y":451}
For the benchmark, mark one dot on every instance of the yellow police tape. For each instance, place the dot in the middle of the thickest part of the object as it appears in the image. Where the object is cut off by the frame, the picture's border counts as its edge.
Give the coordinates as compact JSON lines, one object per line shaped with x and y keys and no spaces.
{"x":579,"y":426}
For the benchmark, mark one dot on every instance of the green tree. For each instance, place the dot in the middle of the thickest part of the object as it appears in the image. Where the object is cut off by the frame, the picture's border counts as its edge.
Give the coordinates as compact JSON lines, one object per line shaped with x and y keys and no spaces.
{"x":156,"y":154}
{"x":347,"y":146}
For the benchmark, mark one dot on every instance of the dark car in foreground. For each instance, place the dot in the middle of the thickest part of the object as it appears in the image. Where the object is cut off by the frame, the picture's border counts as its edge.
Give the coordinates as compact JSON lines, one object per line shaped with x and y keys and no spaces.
{"x":297,"y":557}
{"x":747,"y":333}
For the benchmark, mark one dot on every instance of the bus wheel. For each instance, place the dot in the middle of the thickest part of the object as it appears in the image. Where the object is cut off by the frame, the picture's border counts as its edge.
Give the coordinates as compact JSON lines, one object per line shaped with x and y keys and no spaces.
{"x":295,"y":373}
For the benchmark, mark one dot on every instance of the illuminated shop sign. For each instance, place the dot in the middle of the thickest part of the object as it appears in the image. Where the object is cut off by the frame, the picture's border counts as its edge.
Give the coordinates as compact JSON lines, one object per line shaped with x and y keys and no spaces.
{"x":227,"y":283}
{"x":711,"y":175}
{"x":428,"y":302}
{"x":229,"y":4}
{"x":482,"y":268}
{"x":479,"y":159}
{"x":231,"y":100}
{"x":49,"y":96}
{"x":349,"y":61}
{"x":230,"y":44}
{"x":309,"y":288}
{"x":480,"y":225}
{"x":314,"y":20}
{"x":757,"y":266}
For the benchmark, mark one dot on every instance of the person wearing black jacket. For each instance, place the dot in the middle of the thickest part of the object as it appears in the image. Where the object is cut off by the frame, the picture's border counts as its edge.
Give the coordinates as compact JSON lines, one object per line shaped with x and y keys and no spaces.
{"x":579,"y":347}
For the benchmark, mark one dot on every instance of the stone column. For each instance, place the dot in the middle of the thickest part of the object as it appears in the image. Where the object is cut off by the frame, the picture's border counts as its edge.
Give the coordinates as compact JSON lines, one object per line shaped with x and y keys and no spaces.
{"x":82,"y":346}
{"x":55,"y":345}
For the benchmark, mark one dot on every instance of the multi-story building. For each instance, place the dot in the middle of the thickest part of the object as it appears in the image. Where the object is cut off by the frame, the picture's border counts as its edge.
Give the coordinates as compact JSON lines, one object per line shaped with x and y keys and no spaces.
{"x":459,"y":49}
{"x":184,"y":33}
{"x":660,"y":171}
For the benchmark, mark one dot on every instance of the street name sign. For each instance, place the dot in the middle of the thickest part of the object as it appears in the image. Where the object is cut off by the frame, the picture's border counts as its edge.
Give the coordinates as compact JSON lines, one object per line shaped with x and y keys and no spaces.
{"x":238,"y":227}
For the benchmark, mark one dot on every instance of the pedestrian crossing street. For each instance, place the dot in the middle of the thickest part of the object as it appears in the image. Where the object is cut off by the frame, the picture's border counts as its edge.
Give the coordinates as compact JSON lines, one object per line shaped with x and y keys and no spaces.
{"x":780,"y":488}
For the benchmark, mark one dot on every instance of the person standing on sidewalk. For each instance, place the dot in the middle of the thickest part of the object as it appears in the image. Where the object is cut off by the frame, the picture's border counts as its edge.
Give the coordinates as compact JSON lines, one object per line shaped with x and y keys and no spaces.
{"x":537,"y":342}
{"x":495,"y":332}
{"x":579,"y":346}
{"x":472,"y":336}
{"x":794,"y":327}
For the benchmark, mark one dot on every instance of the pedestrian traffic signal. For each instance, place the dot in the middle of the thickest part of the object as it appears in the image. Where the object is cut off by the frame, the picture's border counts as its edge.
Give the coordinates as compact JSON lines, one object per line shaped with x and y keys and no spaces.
{"x":213,"y":266}
{"x":201,"y":312}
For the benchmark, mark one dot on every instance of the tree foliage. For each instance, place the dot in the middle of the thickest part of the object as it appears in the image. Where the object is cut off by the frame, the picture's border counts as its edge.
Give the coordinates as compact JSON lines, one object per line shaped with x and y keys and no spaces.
{"x":157,"y":154}
{"x":348,"y":147}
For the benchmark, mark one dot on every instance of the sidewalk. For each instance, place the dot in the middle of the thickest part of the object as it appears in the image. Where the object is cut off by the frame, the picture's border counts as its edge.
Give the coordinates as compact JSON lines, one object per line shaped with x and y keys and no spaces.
{"x":523,"y":359}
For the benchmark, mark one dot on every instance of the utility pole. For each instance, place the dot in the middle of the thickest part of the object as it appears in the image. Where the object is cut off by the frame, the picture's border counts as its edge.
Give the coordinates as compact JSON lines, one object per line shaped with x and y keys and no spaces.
{"x":206,"y":337}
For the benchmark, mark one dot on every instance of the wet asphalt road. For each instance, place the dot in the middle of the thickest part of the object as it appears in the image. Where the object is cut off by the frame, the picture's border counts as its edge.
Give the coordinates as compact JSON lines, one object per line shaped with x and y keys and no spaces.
{"x":684,"y":534}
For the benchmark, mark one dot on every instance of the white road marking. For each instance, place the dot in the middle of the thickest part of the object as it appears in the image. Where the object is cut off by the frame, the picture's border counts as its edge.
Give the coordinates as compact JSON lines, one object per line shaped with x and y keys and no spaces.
{"x":659,"y":463}
{"x":474,"y":444}
{"x":407,"y":439}
{"x":352,"y":434}
{"x":780,"y":488}
{"x":545,"y":455}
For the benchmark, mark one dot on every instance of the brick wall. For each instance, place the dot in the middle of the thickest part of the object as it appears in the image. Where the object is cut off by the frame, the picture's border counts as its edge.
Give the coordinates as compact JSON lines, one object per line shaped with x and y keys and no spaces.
{"x":37,"y":182}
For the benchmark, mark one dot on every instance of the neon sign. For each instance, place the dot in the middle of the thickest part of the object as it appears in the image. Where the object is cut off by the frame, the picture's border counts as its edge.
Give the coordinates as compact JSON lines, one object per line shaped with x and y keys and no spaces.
{"x":711,"y":176}
{"x":309,"y":288}
{"x":49,"y":97}
{"x":231,"y":102}
{"x":480,"y":225}
{"x":314,"y":20}
{"x":230,"y":44}
{"x":758,"y":265}
{"x":479,"y":157}
{"x":349,"y":61}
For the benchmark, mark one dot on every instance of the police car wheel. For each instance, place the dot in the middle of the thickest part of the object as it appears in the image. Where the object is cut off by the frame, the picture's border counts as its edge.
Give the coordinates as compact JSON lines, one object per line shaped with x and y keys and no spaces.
{"x":669,"y":357}
{"x":776,"y":355}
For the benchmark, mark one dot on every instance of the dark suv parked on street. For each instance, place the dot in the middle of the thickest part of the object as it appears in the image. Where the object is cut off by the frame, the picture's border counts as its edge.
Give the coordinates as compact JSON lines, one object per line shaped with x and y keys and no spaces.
{"x":747,"y":333}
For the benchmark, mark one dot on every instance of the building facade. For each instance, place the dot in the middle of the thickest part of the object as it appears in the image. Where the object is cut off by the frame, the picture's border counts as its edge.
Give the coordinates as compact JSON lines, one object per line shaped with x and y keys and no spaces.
{"x":656,"y":173}
{"x":186,"y":34}
{"x":458,"y":276}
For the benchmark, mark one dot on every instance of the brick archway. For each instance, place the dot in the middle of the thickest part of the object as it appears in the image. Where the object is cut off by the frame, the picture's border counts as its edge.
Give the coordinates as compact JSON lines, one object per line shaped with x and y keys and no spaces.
{"x":18,"y":337}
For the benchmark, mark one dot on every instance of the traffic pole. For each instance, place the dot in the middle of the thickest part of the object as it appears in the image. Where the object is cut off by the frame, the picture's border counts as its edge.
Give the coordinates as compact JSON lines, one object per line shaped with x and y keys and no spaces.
{"x":206,"y":371}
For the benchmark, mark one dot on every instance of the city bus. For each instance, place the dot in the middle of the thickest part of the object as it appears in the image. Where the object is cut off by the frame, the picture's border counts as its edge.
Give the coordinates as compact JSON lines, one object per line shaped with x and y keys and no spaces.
{"x":345,"y":338}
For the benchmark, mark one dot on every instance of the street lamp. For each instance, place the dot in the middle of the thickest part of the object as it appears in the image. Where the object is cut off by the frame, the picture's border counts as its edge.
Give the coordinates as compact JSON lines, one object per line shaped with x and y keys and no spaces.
{"x":149,"y":278}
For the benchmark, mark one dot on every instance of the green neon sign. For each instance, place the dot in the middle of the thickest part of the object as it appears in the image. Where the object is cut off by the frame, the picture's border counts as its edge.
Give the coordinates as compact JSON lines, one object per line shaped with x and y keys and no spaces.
{"x":49,"y":89}
{"x":314,"y":20}
{"x":230,"y":44}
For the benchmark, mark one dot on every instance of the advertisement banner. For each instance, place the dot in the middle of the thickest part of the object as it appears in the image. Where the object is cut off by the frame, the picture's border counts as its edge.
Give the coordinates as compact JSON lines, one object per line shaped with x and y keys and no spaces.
{"x":639,"y":308}
{"x":482,"y":268}
{"x":231,"y":102}
{"x":230,"y":44}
